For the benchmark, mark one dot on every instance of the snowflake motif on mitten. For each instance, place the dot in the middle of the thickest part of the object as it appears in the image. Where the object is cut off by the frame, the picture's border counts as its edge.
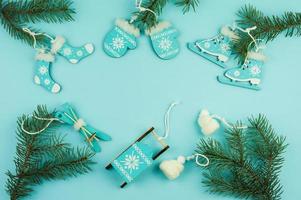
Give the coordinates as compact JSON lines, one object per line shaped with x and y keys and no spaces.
{"x":121,"y":38}
{"x":118,"y":43}
{"x":164,"y":40}
{"x":72,"y":54}
{"x":165,"y":44}
{"x":42,"y":75}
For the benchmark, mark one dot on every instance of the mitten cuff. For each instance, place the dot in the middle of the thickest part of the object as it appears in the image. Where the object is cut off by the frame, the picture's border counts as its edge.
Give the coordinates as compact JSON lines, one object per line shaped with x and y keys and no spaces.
{"x":158,"y":28}
{"x":256,"y":56}
{"x":127,"y":27}
{"x":57,"y":43}
{"x":47,"y":57}
{"x":227,"y":31}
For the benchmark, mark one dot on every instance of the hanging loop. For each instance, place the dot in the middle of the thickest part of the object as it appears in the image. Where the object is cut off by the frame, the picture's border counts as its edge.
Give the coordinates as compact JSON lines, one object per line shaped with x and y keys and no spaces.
{"x":143,"y":9}
{"x":197,"y":157}
{"x":34,"y":34}
{"x":224,"y":121}
{"x":248,"y":31}
{"x":50,"y":120}
{"x":167,"y":120}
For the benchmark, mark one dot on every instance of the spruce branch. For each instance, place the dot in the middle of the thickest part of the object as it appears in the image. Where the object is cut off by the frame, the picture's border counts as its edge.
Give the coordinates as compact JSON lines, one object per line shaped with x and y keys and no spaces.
{"x":43,"y":156}
{"x":146,"y":19}
{"x":15,"y":15}
{"x":268,"y":28}
{"x":50,"y":11}
{"x":248,"y":164}
{"x":187,"y":5}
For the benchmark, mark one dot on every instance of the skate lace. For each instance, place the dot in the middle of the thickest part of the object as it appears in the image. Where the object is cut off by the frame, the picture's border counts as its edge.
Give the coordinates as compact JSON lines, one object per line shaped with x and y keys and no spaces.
{"x":218,"y":39}
{"x":245,"y":66}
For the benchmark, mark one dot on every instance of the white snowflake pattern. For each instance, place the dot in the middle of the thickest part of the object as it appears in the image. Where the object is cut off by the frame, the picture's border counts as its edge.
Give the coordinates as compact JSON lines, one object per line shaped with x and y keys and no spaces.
{"x":236,"y":73}
{"x":79,"y":53}
{"x":131,"y":162}
{"x":118,"y":43}
{"x":165,"y":44}
{"x":207,"y":45}
{"x":255,"y":70}
{"x":47,"y":81}
{"x":67,"y":51}
{"x":225,"y":47}
{"x":37,"y":80}
{"x":43,"y":70}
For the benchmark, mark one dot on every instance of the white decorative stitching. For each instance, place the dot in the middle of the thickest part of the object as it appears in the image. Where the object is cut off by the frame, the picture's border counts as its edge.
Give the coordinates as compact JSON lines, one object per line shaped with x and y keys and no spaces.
{"x":122,"y":170}
{"x":143,"y":156}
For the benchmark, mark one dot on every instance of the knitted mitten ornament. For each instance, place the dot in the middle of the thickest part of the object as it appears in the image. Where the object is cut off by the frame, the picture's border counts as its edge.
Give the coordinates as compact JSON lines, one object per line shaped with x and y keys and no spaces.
{"x":164,"y":40}
{"x":121,"y":38}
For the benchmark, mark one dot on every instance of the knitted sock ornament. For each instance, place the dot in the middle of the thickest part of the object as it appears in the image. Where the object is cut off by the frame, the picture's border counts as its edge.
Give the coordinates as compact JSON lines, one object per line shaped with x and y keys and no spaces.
{"x":42,"y":75}
{"x":72,"y":54}
{"x":121,"y":38}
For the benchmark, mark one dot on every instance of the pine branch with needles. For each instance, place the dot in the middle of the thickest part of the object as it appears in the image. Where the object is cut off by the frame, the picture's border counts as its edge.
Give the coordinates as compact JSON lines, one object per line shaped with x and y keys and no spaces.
{"x":187,"y":5}
{"x":248,"y":164}
{"x":268,"y":28}
{"x":146,"y":19}
{"x":43,"y":156}
{"x":15,"y":15}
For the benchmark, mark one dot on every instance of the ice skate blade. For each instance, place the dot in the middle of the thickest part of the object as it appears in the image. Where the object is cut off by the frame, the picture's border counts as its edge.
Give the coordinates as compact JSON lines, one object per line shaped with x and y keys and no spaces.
{"x":213,"y":59}
{"x":227,"y":81}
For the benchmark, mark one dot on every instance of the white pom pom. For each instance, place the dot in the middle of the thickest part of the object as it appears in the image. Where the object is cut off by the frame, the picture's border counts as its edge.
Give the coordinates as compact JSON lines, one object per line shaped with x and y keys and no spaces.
{"x":79,"y":124}
{"x":89,"y":47}
{"x":207,"y":123}
{"x":181,"y":159}
{"x":172,"y":168}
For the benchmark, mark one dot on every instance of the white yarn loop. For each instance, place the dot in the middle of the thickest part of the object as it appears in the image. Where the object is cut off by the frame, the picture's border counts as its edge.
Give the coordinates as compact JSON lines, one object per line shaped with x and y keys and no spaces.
{"x":41,"y":130}
{"x":248,"y":31}
{"x":197,"y":157}
{"x":167,"y":120}
{"x":34,"y":34}
{"x":78,"y":124}
{"x":224,"y":121}
{"x":143,"y":9}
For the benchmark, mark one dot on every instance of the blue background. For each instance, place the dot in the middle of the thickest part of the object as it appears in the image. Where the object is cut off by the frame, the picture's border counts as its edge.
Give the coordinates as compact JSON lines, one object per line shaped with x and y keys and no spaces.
{"x":126,"y":96}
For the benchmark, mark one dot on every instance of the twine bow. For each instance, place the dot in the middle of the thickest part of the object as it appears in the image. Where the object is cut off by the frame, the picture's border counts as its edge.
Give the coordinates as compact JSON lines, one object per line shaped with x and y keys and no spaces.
{"x":143,"y":9}
{"x":67,"y":114}
{"x":139,"y":6}
{"x":34,"y":34}
{"x":254,"y":40}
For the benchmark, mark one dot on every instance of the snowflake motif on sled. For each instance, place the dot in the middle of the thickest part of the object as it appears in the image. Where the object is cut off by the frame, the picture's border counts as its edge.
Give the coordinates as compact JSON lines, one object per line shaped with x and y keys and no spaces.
{"x":131,"y":162}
